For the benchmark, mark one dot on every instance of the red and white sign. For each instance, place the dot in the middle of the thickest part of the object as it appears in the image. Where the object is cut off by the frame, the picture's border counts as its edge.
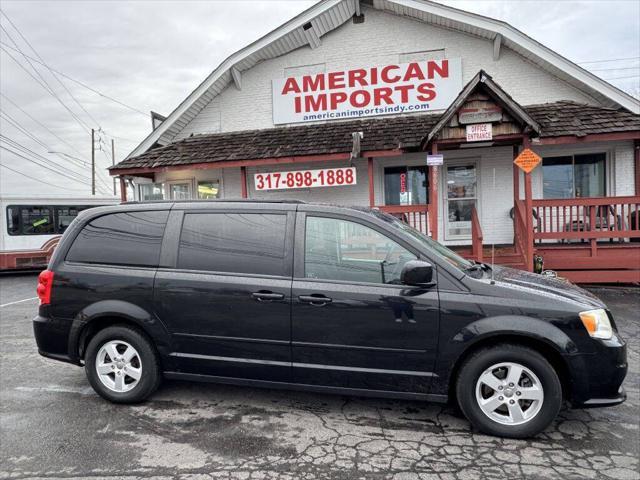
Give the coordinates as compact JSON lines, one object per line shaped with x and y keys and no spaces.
{"x":365,"y":92}
{"x":479,"y":132}
{"x":325,"y":177}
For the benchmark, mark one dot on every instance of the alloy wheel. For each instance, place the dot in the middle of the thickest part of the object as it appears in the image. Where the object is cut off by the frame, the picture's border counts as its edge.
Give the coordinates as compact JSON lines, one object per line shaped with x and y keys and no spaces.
{"x":509,"y":393}
{"x":118,"y":366}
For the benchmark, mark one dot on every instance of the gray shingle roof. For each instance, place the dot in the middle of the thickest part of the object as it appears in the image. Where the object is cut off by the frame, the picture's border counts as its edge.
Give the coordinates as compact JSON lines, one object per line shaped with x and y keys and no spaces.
{"x":406,"y":132}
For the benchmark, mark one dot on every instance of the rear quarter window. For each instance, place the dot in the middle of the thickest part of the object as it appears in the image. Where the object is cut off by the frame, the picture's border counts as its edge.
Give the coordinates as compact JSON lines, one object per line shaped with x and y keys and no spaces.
{"x":127,"y":238}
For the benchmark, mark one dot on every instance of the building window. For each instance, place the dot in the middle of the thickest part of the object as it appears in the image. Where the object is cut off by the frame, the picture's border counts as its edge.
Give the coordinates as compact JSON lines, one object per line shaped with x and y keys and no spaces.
{"x":574,"y":176}
{"x":151,"y":191}
{"x":406,"y":186}
{"x":208,"y":189}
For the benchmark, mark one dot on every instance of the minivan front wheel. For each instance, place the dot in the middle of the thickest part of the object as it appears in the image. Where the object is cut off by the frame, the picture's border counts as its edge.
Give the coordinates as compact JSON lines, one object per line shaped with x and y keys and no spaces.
{"x":122,"y":365}
{"x":509,"y":390}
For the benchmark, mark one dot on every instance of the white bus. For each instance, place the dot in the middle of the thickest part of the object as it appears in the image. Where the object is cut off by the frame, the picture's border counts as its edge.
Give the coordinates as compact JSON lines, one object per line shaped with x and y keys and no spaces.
{"x":32,"y":227}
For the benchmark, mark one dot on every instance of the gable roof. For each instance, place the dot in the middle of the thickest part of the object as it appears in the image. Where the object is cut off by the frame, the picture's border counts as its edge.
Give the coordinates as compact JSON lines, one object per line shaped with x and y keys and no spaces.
{"x":328,"y":15}
{"x":484,"y":81}
{"x":390,"y":133}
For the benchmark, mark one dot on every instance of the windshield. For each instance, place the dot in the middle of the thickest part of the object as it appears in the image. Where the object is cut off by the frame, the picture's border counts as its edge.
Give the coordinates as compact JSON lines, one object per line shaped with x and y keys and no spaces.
{"x":437,"y":248}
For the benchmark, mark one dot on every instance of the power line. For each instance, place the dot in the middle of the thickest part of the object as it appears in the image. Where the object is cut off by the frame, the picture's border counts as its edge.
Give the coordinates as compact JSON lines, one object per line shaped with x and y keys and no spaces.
{"x":54,"y":166}
{"x":38,"y":180}
{"x":609,"y":60}
{"x":40,"y":123}
{"x":47,"y":88}
{"x":17,"y":125}
{"x":637,"y":67}
{"x":47,"y":66}
{"x":97,"y":92}
{"x":621,"y":78}
{"x":37,"y":163}
{"x":22,"y":129}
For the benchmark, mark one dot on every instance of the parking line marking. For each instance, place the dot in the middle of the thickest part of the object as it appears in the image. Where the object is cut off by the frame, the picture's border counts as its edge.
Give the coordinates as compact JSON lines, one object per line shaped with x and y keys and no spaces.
{"x":17,"y":301}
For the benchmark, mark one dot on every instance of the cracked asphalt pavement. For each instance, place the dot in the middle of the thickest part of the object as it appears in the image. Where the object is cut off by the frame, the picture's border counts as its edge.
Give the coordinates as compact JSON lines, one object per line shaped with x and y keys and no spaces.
{"x":52,"y":425}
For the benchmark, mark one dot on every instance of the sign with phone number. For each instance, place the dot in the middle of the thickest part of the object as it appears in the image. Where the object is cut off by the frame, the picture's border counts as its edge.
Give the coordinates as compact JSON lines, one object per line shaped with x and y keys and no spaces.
{"x":325,"y":177}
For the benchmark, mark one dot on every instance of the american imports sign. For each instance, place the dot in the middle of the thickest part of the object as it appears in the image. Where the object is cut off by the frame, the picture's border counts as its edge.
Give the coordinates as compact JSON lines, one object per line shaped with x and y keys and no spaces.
{"x":365,"y":92}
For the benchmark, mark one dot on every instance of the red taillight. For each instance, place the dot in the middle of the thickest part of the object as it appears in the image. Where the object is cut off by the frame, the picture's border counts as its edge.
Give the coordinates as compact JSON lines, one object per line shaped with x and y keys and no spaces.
{"x":45,"y":282}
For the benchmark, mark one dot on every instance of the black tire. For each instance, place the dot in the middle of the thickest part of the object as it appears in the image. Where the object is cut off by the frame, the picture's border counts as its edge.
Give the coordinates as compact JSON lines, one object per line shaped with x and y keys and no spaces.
{"x":150,"y":377}
{"x":482,"y":360}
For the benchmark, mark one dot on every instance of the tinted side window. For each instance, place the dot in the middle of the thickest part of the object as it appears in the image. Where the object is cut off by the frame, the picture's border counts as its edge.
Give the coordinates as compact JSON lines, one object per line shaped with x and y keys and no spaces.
{"x":234,"y":242}
{"x":128,"y":238}
{"x":341,"y":250}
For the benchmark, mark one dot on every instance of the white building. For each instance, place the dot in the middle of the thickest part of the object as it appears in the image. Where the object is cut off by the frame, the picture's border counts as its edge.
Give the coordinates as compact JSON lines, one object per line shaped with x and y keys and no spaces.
{"x":370,"y":88}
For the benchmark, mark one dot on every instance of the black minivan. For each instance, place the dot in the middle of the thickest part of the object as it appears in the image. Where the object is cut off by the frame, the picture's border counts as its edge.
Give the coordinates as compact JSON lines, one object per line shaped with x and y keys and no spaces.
{"x":323,"y":298}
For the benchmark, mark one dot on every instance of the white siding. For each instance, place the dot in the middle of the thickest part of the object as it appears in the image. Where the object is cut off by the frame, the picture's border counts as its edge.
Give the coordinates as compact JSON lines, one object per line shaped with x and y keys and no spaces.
{"x":383,"y":38}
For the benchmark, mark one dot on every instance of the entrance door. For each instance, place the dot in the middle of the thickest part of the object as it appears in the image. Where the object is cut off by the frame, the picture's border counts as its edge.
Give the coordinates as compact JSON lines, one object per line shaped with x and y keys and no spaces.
{"x":460,"y":190}
{"x":353,"y":324}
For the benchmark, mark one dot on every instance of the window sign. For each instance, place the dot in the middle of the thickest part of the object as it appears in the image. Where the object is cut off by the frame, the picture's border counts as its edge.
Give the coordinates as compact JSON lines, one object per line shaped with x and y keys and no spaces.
{"x":364,"y":92}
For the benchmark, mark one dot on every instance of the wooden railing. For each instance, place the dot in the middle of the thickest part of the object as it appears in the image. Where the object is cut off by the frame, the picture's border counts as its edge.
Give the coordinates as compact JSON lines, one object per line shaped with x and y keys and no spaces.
{"x":476,"y":236}
{"x":587,"y":219}
{"x":415,"y":215}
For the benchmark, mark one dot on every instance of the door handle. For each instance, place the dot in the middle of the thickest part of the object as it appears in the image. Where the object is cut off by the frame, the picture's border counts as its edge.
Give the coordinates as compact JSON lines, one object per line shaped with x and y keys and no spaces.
{"x":316,"y":299}
{"x":265,"y":296}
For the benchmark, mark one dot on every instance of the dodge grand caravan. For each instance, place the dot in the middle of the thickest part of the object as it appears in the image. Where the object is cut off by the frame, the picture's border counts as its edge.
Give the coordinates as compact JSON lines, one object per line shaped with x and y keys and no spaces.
{"x":323,"y":298}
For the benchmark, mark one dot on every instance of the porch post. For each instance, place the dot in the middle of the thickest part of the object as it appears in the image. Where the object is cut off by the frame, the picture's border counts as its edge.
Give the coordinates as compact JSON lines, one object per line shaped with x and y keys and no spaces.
{"x":372,"y":196}
{"x":636,"y":156}
{"x":528,"y":204}
{"x":516,"y":188}
{"x":433,"y":195}
{"x":123,"y":189}
{"x":243,"y":181}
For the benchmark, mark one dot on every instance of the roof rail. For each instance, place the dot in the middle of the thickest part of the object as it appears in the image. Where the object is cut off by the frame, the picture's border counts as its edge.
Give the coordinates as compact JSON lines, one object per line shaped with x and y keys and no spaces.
{"x":211,"y":200}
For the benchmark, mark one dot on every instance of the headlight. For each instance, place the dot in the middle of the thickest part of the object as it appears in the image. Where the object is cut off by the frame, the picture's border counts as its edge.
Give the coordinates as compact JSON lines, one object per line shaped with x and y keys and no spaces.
{"x":597,"y":323}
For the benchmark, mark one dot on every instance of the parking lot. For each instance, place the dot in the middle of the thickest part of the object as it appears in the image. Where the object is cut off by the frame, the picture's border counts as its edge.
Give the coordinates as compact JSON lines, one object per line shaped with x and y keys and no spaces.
{"x":53,"y":425}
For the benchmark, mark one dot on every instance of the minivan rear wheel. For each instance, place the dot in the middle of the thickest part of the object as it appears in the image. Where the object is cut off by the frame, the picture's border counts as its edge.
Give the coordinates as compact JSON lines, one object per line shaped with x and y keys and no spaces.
{"x":121,"y":364}
{"x":509,"y":391}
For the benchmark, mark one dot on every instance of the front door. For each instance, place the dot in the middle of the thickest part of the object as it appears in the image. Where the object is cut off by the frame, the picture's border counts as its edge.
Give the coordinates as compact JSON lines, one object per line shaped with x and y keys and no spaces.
{"x":353,"y":324}
{"x":227,"y":300}
{"x":460,"y":195}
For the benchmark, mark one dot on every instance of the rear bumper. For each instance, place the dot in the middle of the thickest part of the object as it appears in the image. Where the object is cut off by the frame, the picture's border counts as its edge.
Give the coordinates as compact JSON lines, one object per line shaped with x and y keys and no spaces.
{"x":52,"y":338}
{"x":596,"y":378}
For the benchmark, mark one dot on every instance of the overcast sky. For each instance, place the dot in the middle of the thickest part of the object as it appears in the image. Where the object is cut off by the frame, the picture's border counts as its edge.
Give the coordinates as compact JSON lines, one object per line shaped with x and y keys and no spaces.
{"x":150,"y":55}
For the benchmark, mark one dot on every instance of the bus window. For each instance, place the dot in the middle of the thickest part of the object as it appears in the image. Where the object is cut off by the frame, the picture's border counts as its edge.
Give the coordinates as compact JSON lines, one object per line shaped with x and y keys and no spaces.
{"x":37,"y":220}
{"x":65,"y":215}
{"x":13,"y":221}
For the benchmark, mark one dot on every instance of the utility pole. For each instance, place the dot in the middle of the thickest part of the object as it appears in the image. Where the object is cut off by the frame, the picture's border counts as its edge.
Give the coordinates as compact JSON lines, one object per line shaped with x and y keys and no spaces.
{"x":113,"y":162}
{"x":93,"y":162}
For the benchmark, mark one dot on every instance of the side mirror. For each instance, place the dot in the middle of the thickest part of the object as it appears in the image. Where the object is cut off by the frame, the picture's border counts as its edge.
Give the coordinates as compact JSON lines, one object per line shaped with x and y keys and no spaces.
{"x":417,"y":273}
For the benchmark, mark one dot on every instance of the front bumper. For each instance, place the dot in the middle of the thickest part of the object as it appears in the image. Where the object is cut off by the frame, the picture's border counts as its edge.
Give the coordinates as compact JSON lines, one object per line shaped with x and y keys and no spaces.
{"x":596,"y":378}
